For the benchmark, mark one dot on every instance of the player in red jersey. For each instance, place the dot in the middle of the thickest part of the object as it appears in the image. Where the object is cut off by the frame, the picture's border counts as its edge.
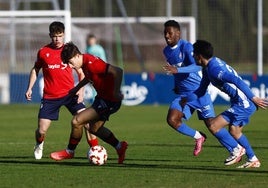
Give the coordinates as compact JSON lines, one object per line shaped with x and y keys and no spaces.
{"x":106,"y":79}
{"x":58,"y":81}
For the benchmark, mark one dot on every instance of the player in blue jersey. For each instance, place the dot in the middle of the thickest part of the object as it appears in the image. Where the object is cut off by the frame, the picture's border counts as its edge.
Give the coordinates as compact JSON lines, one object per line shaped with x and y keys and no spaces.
{"x":178,"y":53}
{"x":243,"y":101}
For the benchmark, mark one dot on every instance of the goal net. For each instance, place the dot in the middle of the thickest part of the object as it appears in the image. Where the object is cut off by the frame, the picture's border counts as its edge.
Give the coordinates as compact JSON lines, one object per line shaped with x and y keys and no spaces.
{"x":134,"y":43}
{"x":22,"y":33}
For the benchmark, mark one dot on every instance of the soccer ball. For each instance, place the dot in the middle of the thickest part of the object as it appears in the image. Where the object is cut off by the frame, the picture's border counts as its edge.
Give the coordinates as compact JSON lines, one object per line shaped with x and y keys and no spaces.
{"x":97,"y":155}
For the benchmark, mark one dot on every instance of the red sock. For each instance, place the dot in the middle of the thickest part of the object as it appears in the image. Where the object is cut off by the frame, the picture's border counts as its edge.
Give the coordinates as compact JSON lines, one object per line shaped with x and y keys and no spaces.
{"x":39,"y":137}
{"x":93,"y":142}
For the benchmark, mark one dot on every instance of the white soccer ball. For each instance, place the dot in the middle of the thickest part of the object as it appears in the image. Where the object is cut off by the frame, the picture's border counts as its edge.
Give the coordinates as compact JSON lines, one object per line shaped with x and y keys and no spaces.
{"x":97,"y":155}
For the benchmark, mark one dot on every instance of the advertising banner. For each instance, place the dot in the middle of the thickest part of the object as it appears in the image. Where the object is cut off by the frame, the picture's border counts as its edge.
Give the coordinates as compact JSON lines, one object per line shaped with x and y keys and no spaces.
{"x":145,"y":88}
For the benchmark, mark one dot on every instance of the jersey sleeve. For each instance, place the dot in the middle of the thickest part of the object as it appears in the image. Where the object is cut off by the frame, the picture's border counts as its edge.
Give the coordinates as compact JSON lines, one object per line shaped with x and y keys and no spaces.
{"x":203,"y":84}
{"x":189,"y":60}
{"x":238,"y":82}
{"x":188,"y":52}
{"x":38,"y":62}
{"x":189,"y":69}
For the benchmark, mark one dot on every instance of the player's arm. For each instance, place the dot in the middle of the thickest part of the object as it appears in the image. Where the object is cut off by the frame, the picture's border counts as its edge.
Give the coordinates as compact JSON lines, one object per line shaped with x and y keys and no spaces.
{"x":238,"y":82}
{"x":118,"y":75}
{"x":231,"y":78}
{"x":190,"y":64}
{"x":175,"y":70}
{"x":203,"y":85}
{"x":80,"y":92}
{"x":32,"y":79}
{"x":81,"y":84}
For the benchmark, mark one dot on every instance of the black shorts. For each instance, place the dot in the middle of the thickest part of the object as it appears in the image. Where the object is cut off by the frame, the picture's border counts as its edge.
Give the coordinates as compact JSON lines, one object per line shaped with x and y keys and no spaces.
{"x":105,"y":108}
{"x":49,"y":108}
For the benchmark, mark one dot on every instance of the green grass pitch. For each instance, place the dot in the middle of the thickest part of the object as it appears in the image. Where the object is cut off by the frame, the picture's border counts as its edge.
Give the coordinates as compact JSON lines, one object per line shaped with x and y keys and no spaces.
{"x":157,"y":156}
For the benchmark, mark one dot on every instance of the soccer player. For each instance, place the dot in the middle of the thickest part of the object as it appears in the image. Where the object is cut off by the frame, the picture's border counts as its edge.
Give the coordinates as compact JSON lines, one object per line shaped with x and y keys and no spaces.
{"x":181,"y":64}
{"x":106,"y":79}
{"x":243,"y":101}
{"x":58,"y":81}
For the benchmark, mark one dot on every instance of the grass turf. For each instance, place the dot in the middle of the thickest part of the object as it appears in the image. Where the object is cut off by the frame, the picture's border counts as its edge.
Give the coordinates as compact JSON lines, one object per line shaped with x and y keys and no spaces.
{"x":157,"y":155}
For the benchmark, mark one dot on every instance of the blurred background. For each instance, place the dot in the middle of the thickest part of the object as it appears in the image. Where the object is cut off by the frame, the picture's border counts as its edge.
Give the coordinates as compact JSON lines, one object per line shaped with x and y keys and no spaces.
{"x":230,"y":25}
{"x":131,"y":32}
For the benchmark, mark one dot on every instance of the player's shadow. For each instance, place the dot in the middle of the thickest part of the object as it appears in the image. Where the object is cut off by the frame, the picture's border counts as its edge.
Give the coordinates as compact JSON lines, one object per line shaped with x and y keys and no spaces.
{"x":132,"y":163}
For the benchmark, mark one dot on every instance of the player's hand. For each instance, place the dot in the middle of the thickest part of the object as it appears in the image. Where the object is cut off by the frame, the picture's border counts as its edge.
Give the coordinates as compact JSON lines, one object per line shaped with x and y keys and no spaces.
{"x":170,"y":69}
{"x":80,"y":99}
{"x":262,"y":103}
{"x":28,"y":95}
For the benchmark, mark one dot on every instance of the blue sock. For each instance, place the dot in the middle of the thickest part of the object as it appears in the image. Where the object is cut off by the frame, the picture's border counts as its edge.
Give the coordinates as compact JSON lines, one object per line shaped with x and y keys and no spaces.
{"x":243,"y":141}
{"x":226,"y":139}
{"x":186,"y":130}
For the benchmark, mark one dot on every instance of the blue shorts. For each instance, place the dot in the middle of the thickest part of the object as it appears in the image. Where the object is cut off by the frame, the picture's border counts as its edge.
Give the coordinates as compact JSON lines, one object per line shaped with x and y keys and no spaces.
{"x":49,"y":108}
{"x":105,"y":108}
{"x":238,"y":115}
{"x":203,"y":106}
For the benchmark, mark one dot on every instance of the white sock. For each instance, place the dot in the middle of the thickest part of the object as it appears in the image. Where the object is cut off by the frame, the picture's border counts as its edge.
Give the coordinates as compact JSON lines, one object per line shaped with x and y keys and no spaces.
{"x":197,"y":135}
{"x":254,"y":158}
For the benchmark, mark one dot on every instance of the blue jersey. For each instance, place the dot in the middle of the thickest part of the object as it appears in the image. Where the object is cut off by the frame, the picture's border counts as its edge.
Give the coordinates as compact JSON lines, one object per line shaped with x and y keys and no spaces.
{"x":225,"y":78}
{"x":181,"y":56}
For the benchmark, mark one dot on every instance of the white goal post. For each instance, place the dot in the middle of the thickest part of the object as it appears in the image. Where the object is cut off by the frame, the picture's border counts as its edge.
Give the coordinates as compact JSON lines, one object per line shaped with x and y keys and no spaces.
{"x":32,"y":17}
{"x":22,"y":33}
{"x":102,"y":20}
{"x":26,"y":17}
{"x":8,"y":33}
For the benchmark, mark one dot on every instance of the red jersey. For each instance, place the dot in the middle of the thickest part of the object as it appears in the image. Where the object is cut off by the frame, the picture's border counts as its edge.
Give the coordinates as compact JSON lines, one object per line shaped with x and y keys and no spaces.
{"x":58,"y":77}
{"x":95,"y":70}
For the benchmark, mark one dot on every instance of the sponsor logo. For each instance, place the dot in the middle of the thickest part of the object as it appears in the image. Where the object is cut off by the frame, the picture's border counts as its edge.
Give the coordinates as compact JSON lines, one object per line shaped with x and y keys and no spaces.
{"x":55,"y":66}
{"x":134,"y":94}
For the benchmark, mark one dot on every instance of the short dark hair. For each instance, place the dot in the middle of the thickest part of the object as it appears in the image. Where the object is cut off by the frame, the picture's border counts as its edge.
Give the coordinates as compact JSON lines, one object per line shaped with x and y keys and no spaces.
{"x":68,"y":52}
{"x":56,"y":27}
{"x":204,"y":48}
{"x":172,"y":23}
{"x":90,"y":35}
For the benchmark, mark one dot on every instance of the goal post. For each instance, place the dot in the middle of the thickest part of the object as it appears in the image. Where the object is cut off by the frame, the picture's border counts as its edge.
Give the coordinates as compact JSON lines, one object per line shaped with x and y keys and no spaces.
{"x":190,"y":31}
{"x":18,"y":16}
{"x":140,"y":37}
{"x":21,"y":33}
{"x":14,"y":18}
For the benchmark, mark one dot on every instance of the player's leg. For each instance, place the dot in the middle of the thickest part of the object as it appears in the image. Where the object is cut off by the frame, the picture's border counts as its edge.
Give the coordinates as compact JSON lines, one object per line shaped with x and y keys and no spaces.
{"x":176,"y":115}
{"x":40,"y":132}
{"x":253,"y":161}
{"x":217,"y":128}
{"x":49,"y":110}
{"x":108,"y":136}
{"x":242,"y":118}
{"x":175,"y":118}
{"x":74,"y":107}
{"x":78,"y":122}
{"x":205,"y":112}
{"x":91,"y":138}
{"x":108,"y":108}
